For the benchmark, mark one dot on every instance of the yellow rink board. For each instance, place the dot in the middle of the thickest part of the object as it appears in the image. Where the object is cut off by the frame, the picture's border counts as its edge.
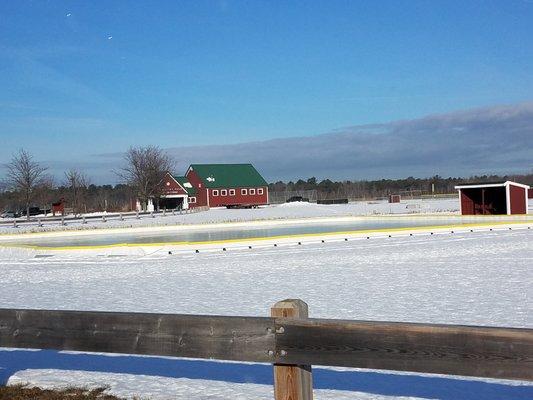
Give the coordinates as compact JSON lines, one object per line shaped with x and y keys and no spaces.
{"x":363,"y":232}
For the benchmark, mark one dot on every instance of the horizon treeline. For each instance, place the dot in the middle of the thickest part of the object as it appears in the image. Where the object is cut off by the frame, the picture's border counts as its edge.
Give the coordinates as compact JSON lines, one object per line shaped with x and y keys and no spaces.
{"x":119,"y":197}
{"x":371,"y":189}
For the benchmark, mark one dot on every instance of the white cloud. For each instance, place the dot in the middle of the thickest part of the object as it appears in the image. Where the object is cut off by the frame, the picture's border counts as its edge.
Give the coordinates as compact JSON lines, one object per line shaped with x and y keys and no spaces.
{"x":487,"y":140}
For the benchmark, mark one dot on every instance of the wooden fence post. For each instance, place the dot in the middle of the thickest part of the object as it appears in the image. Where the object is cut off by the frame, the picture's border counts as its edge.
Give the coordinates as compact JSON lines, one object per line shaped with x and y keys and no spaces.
{"x":292,"y":382}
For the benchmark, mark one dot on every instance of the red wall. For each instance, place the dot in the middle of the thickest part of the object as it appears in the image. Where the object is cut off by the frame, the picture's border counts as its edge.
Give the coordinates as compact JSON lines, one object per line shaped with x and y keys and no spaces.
{"x":518,"y":200}
{"x":201,"y":193}
{"x":467,"y":204}
{"x":238,"y":198}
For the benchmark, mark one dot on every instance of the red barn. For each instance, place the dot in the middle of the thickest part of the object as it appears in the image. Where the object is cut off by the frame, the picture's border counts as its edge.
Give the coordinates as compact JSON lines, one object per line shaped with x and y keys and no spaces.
{"x":227,"y":185}
{"x":493,"y":198}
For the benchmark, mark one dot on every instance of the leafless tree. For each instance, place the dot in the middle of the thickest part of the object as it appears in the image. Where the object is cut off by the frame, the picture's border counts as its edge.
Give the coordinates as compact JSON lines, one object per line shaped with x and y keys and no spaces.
{"x":24,"y":175}
{"x":144,"y":169}
{"x":77,"y":183}
{"x":44,"y":192}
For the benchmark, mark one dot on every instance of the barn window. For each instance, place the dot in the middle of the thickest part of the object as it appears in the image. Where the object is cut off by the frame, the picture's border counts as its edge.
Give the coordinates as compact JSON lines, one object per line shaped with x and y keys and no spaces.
{"x":260,"y":191}
{"x":252,"y":191}
{"x":223,"y":192}
{"x":215,"y":192}
{"x":192,"y":200}
{"x":244,"y":192}
{"x":232,"y":192}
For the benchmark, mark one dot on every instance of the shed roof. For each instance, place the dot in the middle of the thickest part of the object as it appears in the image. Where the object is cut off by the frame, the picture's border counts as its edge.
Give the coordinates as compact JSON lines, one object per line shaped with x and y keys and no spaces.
{"x":490,"y":184}
{"x":228,"y":175}
{"x":185,"y":184}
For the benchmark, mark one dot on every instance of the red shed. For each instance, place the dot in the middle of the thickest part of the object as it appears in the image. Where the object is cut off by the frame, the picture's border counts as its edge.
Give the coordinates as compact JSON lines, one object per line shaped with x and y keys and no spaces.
{"x":493,"y":198}
{"x":227,"y":185}
{"x":395,"y":198}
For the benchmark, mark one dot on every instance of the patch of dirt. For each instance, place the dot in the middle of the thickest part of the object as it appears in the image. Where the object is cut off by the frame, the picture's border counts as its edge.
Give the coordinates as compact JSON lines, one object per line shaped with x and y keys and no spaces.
{"x":18,"y":392}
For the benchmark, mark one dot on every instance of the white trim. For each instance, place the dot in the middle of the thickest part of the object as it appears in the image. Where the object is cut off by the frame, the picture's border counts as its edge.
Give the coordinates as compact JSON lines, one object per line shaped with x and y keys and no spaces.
{"x":179,"y":184}
{"x":232,"y":194}
{"x":266,"y":188}
{"x":174,"y":196}
{"x":250,"y":191}
{"x":486,"y":185}
{"x":508,"y":199}
{"x":480,"y":186}
{"x":262,"y":191}
{"x":527,"y":201}
{"x":460,"y":202}
{"x":192,"y":200}
{"x":517,"y":184}
{"x":215,"y":192}
{"x":223,"y":192}
{"x":207,"y":194}
{"x":244,"y":192}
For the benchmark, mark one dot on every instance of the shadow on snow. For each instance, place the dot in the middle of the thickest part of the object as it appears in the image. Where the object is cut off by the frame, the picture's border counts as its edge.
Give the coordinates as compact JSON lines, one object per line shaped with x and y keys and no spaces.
{"x":382,"y":383}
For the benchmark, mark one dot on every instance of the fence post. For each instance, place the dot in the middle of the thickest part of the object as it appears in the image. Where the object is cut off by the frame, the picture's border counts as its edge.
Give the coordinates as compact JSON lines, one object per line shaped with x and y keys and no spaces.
{"x":292,"y":382}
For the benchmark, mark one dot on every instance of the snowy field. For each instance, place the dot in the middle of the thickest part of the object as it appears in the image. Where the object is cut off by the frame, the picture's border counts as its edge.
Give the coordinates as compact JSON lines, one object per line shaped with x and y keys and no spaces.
{"x":273,"y":212}
{"x":473,"y":278}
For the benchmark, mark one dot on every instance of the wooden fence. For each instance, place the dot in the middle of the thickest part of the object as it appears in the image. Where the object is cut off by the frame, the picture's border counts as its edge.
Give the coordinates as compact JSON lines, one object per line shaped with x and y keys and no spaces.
{"x":287,"y":339}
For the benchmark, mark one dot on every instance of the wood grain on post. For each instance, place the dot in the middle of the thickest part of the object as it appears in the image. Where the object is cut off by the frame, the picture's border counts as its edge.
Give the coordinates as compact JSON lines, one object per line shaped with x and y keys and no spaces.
{"x":291,"y":382}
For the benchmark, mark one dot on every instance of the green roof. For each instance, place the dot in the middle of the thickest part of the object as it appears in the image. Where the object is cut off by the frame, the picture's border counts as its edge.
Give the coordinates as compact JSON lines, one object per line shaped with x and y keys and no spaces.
{"x":228,"y":175}
{"x":182,"y":180}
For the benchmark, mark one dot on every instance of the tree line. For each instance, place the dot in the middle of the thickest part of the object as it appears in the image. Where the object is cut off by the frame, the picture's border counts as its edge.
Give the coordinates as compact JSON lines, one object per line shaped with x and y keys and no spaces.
{"x":371,"y":189}
{"x":28,"y":184}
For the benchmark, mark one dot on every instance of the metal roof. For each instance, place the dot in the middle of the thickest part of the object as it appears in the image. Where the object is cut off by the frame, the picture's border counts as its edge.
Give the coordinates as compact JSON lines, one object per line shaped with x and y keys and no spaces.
{"x":185,"y":184}
{"x":228,"y":175}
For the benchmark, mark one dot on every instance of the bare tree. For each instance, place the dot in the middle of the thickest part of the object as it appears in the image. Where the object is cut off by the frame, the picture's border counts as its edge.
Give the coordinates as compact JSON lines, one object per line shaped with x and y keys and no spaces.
{"x":23,"y":176}
{"x":144,"y":170}
{"x":44,"y":193}
{"x":77,"y":183}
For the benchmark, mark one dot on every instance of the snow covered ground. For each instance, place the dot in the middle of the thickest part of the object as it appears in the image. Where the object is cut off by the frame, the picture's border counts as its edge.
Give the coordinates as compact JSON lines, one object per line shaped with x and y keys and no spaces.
{"x":220,"y":215}
{"x":474,"y":278}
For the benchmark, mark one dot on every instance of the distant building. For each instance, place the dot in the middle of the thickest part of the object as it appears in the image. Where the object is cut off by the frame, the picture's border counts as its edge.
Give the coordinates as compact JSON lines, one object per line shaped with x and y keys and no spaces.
{"x":493,"y":198}
{"x":178,"y":193}
{"x":215,"y":185}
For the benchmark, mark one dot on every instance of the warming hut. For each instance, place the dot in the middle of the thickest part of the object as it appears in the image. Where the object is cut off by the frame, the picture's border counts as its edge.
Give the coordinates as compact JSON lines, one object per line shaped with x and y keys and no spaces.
{"x":493,"y":198}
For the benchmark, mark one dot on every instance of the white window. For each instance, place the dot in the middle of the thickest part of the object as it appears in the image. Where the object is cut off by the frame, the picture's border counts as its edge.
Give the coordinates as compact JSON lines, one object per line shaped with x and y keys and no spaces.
{"x":244,"y":192}
{"x":192,"y":200}
{"x":215,"y":192}
{"x":260,"y":191}
{"x":252,"y":191}
{"x":223,"y":192}
{"x":232,"y":192}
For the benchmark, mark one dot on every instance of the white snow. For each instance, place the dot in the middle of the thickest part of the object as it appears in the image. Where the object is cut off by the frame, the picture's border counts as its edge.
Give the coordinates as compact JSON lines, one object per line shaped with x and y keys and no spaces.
{"x":221,"y":215}
{"x":474,"y":278}
{"x":161,"y":388}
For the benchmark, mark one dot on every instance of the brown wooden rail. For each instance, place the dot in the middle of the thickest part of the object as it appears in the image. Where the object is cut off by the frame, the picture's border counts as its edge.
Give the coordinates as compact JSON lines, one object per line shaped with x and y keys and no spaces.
{"x":288,"y":340}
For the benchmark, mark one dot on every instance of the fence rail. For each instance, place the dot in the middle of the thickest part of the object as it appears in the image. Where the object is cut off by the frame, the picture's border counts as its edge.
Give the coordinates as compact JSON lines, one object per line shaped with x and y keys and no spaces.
{"x":286,"y":340}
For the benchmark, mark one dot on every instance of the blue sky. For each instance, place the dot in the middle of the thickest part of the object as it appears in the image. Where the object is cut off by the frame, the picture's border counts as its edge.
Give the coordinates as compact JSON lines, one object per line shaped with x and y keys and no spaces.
{"x":84,"y":78}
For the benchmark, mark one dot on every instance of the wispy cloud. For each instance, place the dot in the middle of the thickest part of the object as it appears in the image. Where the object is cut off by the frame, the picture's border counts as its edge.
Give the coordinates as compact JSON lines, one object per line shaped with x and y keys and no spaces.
{"x":487,"y":140}
{"x":494,"y":139}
